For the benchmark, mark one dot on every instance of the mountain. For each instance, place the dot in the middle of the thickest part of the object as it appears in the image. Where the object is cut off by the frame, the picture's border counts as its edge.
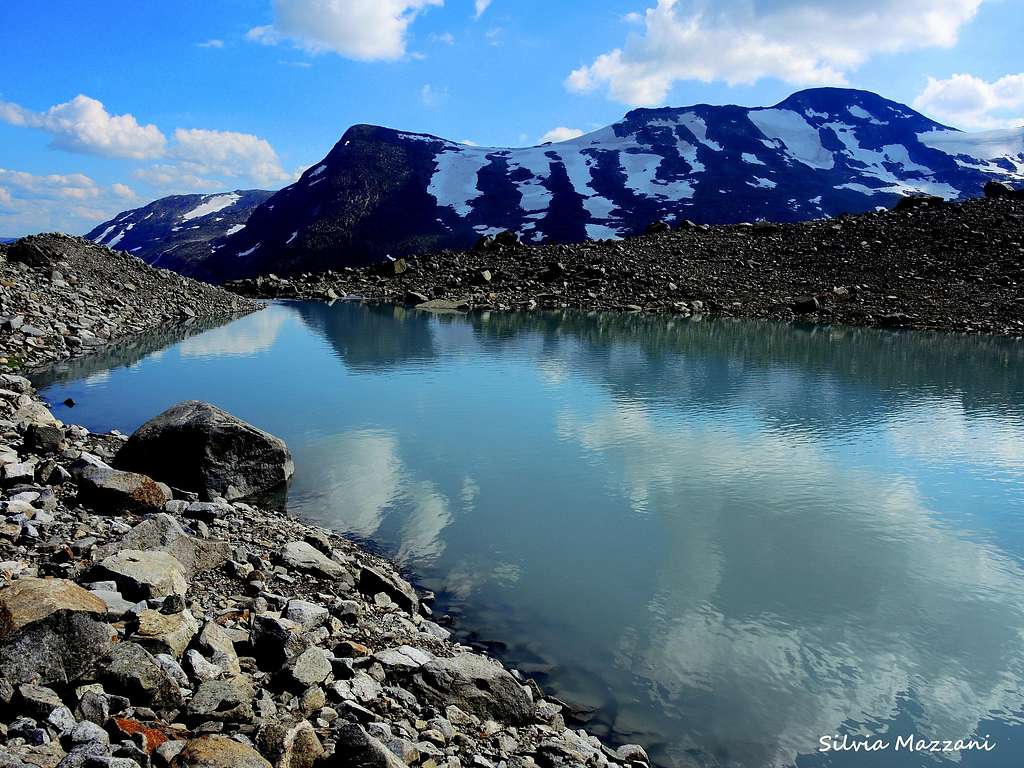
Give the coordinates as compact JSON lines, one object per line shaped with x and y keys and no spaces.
{"x":177,"y":232}
{"x":4,"y":240}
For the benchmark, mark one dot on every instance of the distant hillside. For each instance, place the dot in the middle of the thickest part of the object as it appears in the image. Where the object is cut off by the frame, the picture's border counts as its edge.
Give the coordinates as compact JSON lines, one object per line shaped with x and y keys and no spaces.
{"x":177,"y":232}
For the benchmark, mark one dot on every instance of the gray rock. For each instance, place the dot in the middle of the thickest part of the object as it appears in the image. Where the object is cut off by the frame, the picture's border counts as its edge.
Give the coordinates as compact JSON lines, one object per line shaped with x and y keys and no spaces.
{"x":306,"y":614}
{"x":198,"y":447}
{"x":141,"y":575}
{"x":403,"y":657}
{"x":37,"y":701}
{"x":132,"y":671}
{"x":305,"y":557}
{"x":373,"y":581}
{"x":50,"y":631}
{"x":112,"y":491}
{"x":311,"y":667}
{"x":215,"y":643}
{"x":290,"y":744}
{"x":225,"y":701}
{"x":361,"y":750}
{"x":477,"y":685}
{"x":86,"y":732}
{"x":163,"y":533}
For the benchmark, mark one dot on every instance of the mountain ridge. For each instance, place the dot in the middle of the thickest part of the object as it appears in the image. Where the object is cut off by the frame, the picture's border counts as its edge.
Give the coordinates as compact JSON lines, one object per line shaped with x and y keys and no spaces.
{"x":383,"y":192}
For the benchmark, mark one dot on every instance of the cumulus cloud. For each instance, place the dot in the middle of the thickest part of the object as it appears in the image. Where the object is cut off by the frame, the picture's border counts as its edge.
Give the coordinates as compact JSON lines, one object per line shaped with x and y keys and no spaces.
{"x":69,"y":202}
{"x":212,"y":43}
{"x":966,"y":101}
{"x":740,"y":42}
{"x":561,"y":133}
{"x":229,"y":154}
{"x":84,"y":125}
{"x":433,"y":97}
{"x":479,"y":6}
{"x":357,"y":29}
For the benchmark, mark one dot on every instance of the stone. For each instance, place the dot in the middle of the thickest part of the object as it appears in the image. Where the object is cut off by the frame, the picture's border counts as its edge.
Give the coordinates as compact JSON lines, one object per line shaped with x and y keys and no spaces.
{"x":311,"y":667}
{"x":373,"y":580}
{"x":160,"y":632}
{"x":161,"y":532}
{"x":225,"y":701}
{"x":198,"y":447}
{"x":215,"y":751}
{"x":117,"y":606}
{"x":132,"y":671}
{"x":632,"y":753}
{"x":306,"y":614}
{"x":307,"y":558}
{"x":805,"y":305}
{"x":361,"y":750}
{"x":998,"y":189}
{"x":86,"y":732}
{"x":37,"y":701}
{"x":113,"y":491}
{"x":50,"y":631}
{"x":290,"y":744}
{"x":44,"y":438}
{"x":412,"y":298}
{"x":141,"y":575}
{"x":276,"y":640}
{"x":403,"y":657}
{"x":476,"y":685}
{"x":215,"y":644}
{"x":656,"y":227}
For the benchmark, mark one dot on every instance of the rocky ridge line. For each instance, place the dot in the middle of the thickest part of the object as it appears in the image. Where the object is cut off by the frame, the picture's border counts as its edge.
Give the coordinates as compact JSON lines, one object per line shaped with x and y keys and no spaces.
{"x":925,"y":265}
{"x":63,"y":296}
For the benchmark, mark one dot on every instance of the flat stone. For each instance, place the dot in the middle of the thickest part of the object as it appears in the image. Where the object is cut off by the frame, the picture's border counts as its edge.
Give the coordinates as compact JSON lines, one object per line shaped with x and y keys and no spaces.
{"x":163,"y":533}
{"x":225,"y":701}
{"x":290,"y":744}
{"x":132,"y":671}
{"x":305,"y":557}
{"x":306,"y":614}
{"x":142,"y":575}
{"x":311,"y":667}
{"x":404,"y":656}
{"x":476,"y":685}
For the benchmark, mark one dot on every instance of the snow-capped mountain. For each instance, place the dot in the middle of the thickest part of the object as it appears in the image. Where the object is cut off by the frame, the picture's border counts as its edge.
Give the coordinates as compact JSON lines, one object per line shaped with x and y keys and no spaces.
{"x":177,"y":231}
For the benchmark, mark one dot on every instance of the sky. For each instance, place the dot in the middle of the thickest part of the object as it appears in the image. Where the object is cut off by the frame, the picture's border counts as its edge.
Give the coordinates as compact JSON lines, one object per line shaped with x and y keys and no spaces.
{"x":108,"y":105}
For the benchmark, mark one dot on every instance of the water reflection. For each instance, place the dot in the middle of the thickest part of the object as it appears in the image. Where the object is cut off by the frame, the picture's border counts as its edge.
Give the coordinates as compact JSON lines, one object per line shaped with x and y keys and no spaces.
{"x":729,"y":538}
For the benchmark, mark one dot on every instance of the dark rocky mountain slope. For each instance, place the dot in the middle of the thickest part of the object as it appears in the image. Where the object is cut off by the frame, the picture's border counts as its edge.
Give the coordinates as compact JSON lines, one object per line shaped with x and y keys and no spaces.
{"x":178,"y":232}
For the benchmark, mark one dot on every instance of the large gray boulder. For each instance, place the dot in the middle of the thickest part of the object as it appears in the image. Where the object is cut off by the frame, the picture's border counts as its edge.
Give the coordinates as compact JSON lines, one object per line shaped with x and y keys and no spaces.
{"x":162,"y":532}
{"x":477,"y":685}
{"x":198,"y":447}
{"x":51,"y":631}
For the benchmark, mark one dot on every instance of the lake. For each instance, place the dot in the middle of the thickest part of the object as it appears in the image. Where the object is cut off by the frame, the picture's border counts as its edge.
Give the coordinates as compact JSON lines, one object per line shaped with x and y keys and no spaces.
{"x":726,"y":539}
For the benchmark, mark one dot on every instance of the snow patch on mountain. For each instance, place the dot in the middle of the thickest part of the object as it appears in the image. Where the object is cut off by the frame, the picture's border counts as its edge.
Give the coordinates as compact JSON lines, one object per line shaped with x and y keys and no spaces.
{"x":211,"y":204}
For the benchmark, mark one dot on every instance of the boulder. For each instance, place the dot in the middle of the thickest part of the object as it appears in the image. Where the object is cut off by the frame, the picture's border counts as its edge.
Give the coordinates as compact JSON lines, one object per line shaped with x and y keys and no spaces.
{"x":361,"y":750}
{"x":290,"y":744}
{"x":217,"y":646}
{"x":218,"y":752}
{"x":44,"y":438}
{"x":130,"y":670}
{"x":163,"y":533}
{"x":114,"y":491}
{"x":307,"y":558}
{"x":141,"y":575}
{"x":998,"y":189}
{"x":198,"y":447}
{"x":375,"y":580}
{"x":656,"y":227}
{"x":165,"y":633}
{"x":50,"y":631}
{"x":311,"y":667}
{"x":476,"y":685}
{"x":224,"y":701}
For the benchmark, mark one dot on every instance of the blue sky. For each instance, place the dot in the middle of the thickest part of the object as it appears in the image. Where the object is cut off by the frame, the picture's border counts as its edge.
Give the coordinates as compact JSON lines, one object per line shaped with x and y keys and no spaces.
{"x":107,"y":105}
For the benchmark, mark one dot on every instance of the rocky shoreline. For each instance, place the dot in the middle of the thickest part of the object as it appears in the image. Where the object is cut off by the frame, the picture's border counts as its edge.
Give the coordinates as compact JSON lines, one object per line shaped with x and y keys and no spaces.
{"x":150,"y":626}
{"x":926,"y":265}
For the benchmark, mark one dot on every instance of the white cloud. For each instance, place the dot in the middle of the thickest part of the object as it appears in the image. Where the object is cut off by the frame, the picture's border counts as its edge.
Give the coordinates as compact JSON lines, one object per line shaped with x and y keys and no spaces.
{"x":738,"y":42}
{"x":966,"y":101}
{"x":433,"y":97}
{"x":469,"y":143}
{"x":561,"y":133}
{"x":229,"y":154}
{"x":68,"y":202}
{"x":212,"y":43}
{"x":123,"y":191}
{"x":84,"y":125}
{"x":479,"y":6}
{"x":358,"y":29}
{"x":445,"y":37}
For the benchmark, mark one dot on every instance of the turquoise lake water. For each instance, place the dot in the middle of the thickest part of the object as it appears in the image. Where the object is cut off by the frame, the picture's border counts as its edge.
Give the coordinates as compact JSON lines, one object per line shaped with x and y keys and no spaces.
{"x":726,"y":539}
